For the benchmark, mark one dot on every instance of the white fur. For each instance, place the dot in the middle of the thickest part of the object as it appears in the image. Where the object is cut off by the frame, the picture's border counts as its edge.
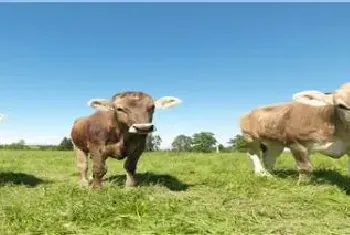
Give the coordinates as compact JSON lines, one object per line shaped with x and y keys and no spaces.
{"x":258,"y":168}
{"x":166,"y":102}
{"x":312,"y":97}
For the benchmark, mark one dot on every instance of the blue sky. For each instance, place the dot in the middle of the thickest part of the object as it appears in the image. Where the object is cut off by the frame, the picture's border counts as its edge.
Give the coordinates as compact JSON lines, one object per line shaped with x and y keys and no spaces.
{"x":220,"y":59}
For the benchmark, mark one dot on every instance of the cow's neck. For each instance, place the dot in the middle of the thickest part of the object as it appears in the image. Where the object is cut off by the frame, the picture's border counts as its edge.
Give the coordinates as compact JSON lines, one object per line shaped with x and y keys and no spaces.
{"x":342,"y":128}
{"x":132,"y":142}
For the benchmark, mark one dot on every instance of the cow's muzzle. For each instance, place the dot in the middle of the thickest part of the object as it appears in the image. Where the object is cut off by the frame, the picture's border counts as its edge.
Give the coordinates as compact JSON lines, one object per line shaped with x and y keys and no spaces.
{"x":143,"y":129}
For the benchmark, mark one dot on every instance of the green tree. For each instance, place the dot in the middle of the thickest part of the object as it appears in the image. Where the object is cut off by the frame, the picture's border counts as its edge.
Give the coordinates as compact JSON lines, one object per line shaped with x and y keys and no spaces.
{"x":182,"y":143}
{"x":22,"y":142}
{"x":204,"y":142}
{"x":221,"y":148}
{"x":153,"y":143}
{"x":66,"y":144}
{"x":238,"y":143}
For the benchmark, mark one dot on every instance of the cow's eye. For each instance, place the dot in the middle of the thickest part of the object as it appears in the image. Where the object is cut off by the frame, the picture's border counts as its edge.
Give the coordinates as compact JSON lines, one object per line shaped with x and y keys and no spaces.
{"x":343,"y":106}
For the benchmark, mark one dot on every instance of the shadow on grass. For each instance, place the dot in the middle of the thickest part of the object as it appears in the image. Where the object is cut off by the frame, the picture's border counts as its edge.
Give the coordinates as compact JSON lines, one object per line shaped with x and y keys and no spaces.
{"x":10,"y":178}
{"x":319,"y":176}
{"x":147,"y":179}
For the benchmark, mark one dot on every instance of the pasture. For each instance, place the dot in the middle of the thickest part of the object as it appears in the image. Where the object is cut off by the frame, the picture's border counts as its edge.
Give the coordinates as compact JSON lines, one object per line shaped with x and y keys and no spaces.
{"x":178,"y":194}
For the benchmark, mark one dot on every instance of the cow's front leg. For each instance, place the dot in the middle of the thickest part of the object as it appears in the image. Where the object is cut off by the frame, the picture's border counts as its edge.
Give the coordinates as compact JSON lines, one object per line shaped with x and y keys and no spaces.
{"x":130,"y":167}
{"x":99,"y":166}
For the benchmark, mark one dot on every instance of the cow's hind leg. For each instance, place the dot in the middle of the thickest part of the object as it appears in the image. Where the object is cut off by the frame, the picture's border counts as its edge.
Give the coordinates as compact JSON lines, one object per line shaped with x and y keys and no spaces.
{"x":82,"y":165}
{"x":270,"y":154}
{"x":253,"y":150}
{"x":348,"y":164}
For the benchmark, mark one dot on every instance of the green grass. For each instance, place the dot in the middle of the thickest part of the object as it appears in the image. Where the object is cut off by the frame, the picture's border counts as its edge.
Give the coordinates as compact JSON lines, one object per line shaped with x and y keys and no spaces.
{"x":178,"y":194}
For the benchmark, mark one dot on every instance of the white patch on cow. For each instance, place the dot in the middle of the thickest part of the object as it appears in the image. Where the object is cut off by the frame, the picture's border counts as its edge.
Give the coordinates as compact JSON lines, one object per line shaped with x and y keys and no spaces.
{"x":314,"y":98}
{"x":133,"y":128}
{"x":334,"y":149}
{"x":258,"y":168}
{"x":166,"y":102}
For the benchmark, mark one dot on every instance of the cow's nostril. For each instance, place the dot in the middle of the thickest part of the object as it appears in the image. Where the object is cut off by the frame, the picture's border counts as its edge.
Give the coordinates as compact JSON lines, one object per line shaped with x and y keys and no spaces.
{"x":151,"y":128}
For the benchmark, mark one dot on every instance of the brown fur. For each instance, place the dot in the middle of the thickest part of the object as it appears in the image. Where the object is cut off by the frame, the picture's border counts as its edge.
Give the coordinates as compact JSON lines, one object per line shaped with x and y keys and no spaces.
{"x":290,"y":122}
{"x":105,"y":134}
{"x":294,"y":125}
{"x":302,"y":126}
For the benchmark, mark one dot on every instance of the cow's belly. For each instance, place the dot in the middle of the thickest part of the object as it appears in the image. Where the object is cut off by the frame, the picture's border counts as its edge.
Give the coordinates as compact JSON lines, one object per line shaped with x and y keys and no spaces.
{"x":334,"y":149}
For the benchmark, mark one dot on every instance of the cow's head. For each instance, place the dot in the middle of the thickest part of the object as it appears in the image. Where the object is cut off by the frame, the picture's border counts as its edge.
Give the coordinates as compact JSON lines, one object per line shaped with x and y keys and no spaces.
{"x":134,"y":109}
{"x":339,"y":98}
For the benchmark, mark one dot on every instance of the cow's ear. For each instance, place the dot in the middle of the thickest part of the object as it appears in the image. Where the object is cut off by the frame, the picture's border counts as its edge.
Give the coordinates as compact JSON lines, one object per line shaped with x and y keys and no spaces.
{"x":101,"y":104}
{"x":314,"y":98}
{"x":166,"y":102}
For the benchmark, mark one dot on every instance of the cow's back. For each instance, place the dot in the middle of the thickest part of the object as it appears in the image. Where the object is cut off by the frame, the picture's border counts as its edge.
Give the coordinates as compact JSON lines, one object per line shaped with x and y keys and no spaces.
{"x":265,"y":121}
{"x":290,"y":122}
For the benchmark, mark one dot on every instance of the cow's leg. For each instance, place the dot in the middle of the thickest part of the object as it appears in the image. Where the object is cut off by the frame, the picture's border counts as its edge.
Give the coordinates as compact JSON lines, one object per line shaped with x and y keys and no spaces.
{"x":99,"y":165}
{"x":131,"y":162}
{"x":82,"y":165}
{"x":270,"y":155}
{"x":253,"y":150}
{"x":130,"y":167}
{"x":302,"y":157}
{"x":348,"y":164}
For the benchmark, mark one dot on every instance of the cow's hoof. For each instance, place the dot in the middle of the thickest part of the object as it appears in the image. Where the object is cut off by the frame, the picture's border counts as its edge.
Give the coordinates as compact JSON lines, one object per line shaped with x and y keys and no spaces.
{"x":131,"y":183}
{"x":263,"y":173}
{"x":84,"y":183}
{"x":96,"y":186}
{"x":303,"y":179}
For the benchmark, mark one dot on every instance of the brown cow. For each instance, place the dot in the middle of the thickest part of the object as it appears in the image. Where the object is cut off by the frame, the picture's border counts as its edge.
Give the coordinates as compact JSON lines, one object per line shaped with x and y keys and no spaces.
{"x":313,"y":122}
{"x":119,"y":130}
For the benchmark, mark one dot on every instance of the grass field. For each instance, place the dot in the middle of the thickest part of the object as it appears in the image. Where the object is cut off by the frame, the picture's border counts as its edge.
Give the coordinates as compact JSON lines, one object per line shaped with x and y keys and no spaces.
{"x":178,"y":194}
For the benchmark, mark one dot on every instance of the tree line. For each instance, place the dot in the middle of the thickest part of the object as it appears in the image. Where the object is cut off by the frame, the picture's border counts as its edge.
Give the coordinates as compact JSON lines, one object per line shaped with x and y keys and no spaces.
{"x":204,"y":142}
{"x":65,"y":145}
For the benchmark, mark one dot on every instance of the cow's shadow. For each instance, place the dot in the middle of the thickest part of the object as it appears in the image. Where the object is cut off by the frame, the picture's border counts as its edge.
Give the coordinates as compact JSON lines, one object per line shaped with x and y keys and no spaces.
{"x":147,"y":179}
{"x":11,"y":178}
{"x":319,"y":176}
